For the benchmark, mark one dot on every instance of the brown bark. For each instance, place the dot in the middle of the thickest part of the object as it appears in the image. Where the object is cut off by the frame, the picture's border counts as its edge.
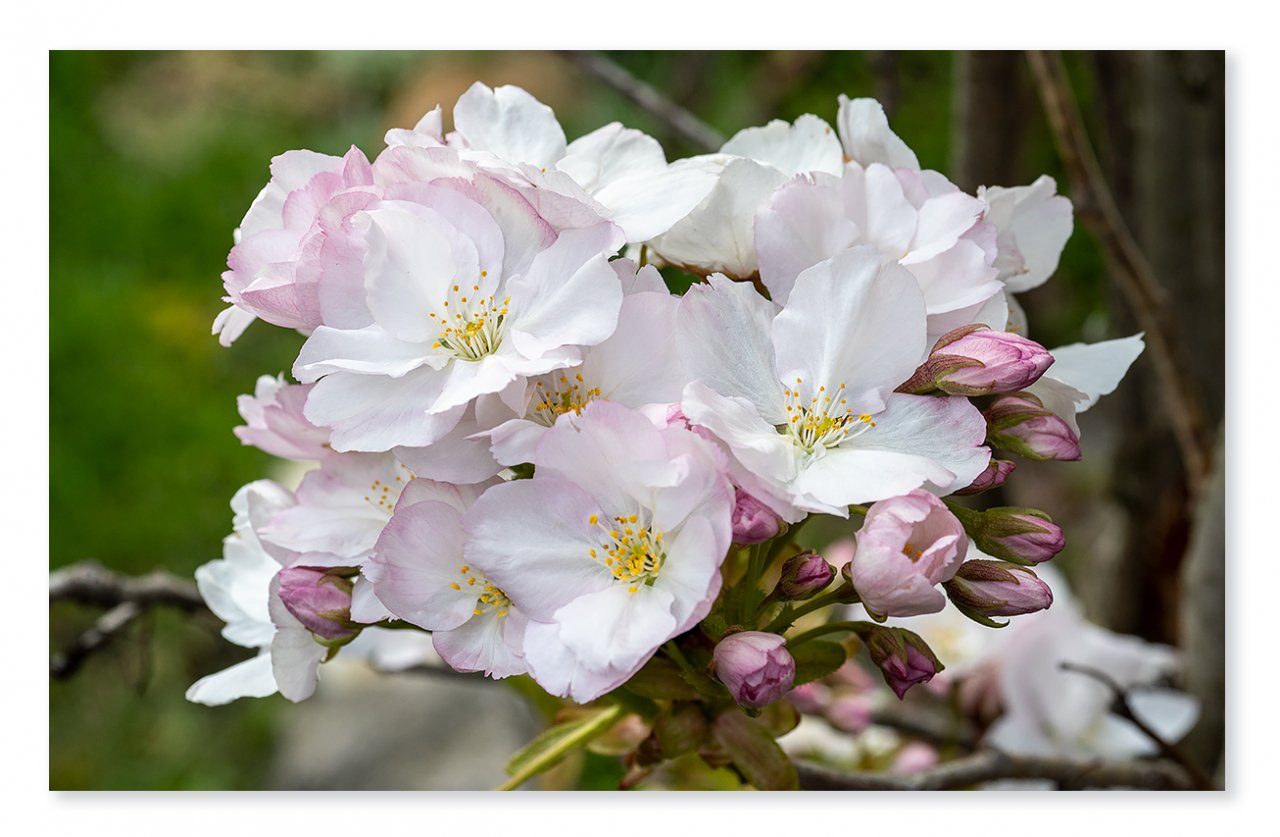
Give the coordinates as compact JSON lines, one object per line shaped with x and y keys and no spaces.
{"x":1165,"y":124}
{"x":989,"y":106}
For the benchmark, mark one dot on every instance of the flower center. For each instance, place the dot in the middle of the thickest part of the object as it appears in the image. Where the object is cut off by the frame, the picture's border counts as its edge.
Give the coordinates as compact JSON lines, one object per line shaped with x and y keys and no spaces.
{"x":491,"y":599}
{"x":470,"y":323}
{"x":556,"y":395}
{"x":383,"y":495}
{"x":823,"y":420}
{"x":631,"y":551}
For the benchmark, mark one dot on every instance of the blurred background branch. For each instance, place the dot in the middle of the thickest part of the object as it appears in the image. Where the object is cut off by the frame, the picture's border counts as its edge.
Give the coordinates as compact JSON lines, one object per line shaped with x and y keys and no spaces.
{"x":89,"y":583}
{"x":994,"y":766}
{"x":1096,"y":207}
{"x":656,"y":104}
{"x":1122,"y":707}
{"x":682,"y":122}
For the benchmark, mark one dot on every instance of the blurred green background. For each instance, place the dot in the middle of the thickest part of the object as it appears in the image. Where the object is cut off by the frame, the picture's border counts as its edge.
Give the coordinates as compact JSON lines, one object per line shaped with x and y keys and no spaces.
{"x":155,"y":158}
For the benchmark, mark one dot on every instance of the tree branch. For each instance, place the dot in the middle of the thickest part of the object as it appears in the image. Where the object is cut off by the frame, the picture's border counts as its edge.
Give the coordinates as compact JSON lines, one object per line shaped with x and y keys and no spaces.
{"x":680,"y":121}
{"x":88,"y":582}
{"x":992,"y":765}
{"x":1120,"y":706}
{"x":110,"y":625}
{"x":1130,"y":268}
{"x":127,"y":598}
{"x":928,"y":726}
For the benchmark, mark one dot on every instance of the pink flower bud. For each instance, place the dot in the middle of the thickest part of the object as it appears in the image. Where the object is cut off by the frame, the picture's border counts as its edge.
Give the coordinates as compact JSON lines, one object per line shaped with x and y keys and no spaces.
{"x":994,"y":588}
{"x":755,"y":666}
{"x":904,"y":658}
{"x":811,"y":698}
{"x":319,"y":600}
{"x":1020,"y":423}
{"x":906,"y":547}
{"x":1023,"y":536}
{"x":914,"y":757}
{"x":851,"y":713}
{"x":275,"y":423}
{"x":993,"y":477}
{"x":803,"y":576}
{"x":974,"y":360}
{"x":753,"y":521}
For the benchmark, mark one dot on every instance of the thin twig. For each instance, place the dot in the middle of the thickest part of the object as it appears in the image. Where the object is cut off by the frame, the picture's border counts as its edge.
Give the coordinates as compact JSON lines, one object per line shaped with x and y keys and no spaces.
{"x":1121,"y":706}
{"x":107,"y":628}
{"x":681,"y":122}
{"x":1132,"y":271}
{"x":992,"y":766}
{"x":88,"y":582}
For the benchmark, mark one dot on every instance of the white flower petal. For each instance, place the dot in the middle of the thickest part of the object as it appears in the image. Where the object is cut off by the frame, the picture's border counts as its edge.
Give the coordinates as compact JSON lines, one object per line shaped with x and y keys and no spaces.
{"x":509,"y":123}
{"x":250,"y":678}
{"x":570,"y":296}
{"x":803,"y":223}
{"x":719,"y":234}
{"x":487,"y":643}
{"x":615,"y":628}
{"x":854,"y":321}
{"x":532,"y":540}
{"x":808,"y":145}
{"x":866,"y":137}
{"x":416,"y":567}
{"x":722,"y":329}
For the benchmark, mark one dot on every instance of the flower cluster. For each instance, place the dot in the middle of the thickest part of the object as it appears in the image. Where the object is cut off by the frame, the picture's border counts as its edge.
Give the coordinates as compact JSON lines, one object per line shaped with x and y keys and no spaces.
{"x":527,"y":446}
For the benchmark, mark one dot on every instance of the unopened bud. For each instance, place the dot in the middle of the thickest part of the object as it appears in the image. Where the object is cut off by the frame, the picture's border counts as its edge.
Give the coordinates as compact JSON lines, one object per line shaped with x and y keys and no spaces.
{"x":998,"y":470}
{"x":319,"y":600}
{"x":1023,"y":536}
{"x":755,"y":666}
{"x":903,"y":657}
{"x":994,"y":588}
{"x":974,"y":360}
{"x":753,"y":522}
{"x":803,"y":576}
{"x":1021,"y":424}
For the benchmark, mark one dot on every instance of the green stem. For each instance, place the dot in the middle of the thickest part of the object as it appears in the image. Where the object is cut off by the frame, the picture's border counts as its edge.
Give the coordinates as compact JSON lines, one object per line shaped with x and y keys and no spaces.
{"x":829,"y":628}
{"x":674,"y":652}
{"x":841,"y":595}
{"x":752,"y":592}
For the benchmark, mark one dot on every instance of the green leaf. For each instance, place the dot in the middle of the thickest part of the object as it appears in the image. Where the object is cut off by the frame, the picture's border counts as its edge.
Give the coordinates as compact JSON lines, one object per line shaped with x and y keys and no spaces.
{"x":754,"y":752}
{"x":817,"y":659}
{"x":549,"y":748}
